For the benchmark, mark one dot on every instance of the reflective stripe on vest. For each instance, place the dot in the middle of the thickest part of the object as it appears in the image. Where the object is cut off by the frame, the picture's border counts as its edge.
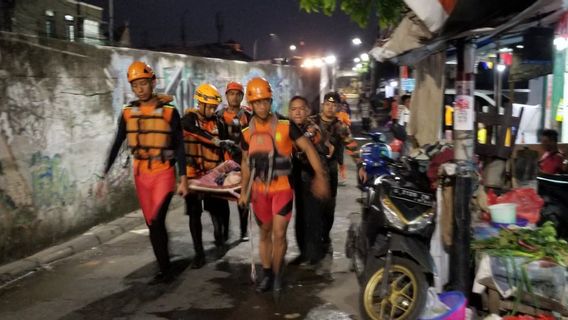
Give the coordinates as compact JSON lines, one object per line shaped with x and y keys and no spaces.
{"x":149,"y":135}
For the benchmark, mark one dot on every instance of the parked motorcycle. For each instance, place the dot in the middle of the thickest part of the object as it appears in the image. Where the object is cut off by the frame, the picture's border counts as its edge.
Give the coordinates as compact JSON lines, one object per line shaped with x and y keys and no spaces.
{"x":553,"y":188}
{"x":373,"y":155}
{"x":389,"y":244}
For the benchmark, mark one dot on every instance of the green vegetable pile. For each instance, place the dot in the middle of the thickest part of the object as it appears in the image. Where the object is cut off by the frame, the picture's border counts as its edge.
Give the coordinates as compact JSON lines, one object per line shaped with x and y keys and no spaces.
{"x":538,"y":244}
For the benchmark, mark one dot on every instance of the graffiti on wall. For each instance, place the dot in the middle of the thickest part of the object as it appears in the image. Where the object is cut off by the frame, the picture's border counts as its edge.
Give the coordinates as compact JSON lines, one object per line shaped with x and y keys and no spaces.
{"x":179,"y":76}
{"x":54,"y":119}
{"x":51,"y":182}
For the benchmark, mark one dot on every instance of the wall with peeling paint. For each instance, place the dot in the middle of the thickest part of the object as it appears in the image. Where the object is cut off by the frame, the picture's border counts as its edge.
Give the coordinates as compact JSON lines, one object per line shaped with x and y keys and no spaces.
{"x":59,"y":103}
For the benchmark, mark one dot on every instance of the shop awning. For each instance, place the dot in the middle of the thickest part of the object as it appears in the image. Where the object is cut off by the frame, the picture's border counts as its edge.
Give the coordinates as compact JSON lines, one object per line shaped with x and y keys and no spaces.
{"x":416,"y":36}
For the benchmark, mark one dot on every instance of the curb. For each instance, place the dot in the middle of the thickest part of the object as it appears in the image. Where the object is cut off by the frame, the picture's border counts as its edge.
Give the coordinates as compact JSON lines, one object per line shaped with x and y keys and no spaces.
{"x":93,"y":237}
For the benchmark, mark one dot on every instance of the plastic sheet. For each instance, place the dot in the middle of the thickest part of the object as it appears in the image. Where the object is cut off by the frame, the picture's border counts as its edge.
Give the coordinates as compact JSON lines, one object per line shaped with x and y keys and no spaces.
{"x":528,"y":202}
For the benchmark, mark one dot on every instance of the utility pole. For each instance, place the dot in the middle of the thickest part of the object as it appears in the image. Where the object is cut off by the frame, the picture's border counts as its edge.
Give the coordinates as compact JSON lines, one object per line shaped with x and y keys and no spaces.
{"x":78,"y":23}
{"x":464,"y":113}
{"x":219,"y":26}
{"x":182,"y":28}
{"x":111,"y":21}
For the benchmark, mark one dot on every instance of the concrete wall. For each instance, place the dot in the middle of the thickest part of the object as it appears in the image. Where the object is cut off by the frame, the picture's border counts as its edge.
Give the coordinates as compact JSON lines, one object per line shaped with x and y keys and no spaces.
{"x":59,"y":103}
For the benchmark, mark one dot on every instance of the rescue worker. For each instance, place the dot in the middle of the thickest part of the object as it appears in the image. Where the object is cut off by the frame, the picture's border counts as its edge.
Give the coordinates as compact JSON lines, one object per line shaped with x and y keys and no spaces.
{"x":153,"y":132}
{"x":308,"y":222}
{"x":339,"y":135}
{"x":235,"y":118}
{"x":267,"y":147}
{"x":204,"y":137}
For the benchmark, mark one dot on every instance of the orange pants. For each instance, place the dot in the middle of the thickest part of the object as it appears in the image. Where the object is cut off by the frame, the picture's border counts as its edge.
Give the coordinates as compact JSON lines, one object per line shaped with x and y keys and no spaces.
{"x":152,"y":190}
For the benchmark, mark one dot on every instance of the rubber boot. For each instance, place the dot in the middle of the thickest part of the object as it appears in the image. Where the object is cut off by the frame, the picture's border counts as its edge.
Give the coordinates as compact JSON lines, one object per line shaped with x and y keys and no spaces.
{"x":266,"y":283}
{"x":198,"y":260}
{"x":277,"y":286}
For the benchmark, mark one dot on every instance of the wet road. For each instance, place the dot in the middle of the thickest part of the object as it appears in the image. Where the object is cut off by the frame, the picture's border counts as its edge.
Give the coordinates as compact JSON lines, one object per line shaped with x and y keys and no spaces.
{"x":111,"y":281}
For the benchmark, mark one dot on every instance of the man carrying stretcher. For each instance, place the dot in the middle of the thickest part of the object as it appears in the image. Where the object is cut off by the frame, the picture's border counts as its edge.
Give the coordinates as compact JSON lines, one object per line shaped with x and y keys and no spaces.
{"x":205,"y":135}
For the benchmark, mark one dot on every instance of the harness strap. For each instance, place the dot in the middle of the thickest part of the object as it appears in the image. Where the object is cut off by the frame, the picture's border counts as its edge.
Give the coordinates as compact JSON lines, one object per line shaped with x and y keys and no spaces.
{"x":250,"y":214}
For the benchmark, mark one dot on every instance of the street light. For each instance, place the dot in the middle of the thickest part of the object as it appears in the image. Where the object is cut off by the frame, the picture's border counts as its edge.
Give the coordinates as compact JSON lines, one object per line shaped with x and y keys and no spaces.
{"x":292,"y":48}
{"x":331,"y":59}
{"x":356,"y":41}
{"x":272,"y":35}
{"x":357,"y":60}
{"x":316,"y":62}
{"x":364,"y":57}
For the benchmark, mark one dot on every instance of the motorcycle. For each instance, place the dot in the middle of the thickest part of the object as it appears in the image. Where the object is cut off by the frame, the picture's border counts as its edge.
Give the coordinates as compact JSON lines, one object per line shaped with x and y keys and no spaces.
{"x":373,"y":155}
{"x":553,"y":188}
{"x":389,"y":242}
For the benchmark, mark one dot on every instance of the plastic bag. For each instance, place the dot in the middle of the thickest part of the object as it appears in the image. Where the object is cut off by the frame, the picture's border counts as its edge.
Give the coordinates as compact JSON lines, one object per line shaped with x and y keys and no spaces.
{"x":528,"y":202}
{"x":434,"y":307}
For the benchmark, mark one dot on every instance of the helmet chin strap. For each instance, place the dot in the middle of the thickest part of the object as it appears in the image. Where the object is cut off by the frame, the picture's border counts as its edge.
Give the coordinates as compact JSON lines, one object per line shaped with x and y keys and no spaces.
{"x":203,"y":114}
{"x":269,"y":112}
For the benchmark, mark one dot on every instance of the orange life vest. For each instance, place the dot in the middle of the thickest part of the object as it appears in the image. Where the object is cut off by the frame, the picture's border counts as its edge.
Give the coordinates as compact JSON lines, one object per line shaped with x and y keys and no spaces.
{"x":201,"y":155}
{"x":148,"y":132}
{"x":270,"y":150}
{"x":235,"y":121}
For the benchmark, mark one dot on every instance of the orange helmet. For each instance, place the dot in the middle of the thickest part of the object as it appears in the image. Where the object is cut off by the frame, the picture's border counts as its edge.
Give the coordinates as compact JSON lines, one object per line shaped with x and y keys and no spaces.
{"x":257,"y":89}
{"x":140,"y":70}
{"x":234,"y":86}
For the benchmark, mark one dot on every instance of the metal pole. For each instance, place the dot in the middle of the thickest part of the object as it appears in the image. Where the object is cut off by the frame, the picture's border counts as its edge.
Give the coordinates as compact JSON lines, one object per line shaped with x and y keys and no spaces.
{"x":254,"y":49}
{"x":78,"y":19}
{"x":111,"y":21}
{"x":460,"y":256}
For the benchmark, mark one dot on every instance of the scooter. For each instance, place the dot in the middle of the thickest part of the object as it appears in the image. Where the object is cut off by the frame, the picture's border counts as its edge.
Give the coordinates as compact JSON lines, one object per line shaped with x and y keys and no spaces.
{"x":389,"y":245}
{"x":373,"y":155}
{"x":553,"y":188}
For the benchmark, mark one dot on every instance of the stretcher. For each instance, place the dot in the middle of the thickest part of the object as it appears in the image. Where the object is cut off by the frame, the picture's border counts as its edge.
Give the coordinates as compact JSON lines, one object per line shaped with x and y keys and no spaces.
{"x":225,"y":182}
{"x":222,"y":182}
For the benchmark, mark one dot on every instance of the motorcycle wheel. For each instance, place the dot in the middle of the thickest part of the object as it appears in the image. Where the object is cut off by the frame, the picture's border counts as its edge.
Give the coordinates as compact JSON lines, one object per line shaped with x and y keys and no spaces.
{"x":355,"y":250}
{"x":407,"y":291}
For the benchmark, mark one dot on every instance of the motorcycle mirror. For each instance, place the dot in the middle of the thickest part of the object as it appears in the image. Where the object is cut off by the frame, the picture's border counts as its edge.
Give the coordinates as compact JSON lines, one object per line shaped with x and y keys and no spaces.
{"x":377,"y":136}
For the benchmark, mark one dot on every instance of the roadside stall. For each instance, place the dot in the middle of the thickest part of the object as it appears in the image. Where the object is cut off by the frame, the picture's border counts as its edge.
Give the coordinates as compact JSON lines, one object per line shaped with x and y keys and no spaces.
{"x":530,"y":280}
{"x":522,"y":270}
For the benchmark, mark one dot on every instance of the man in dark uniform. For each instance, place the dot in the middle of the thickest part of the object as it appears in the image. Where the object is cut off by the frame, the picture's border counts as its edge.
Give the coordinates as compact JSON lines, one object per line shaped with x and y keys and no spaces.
{"x":339,"y":135}
{"x":308,"y":222}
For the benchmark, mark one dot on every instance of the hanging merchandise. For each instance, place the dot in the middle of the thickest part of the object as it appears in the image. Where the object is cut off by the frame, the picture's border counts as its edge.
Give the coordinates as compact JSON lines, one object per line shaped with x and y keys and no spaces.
{"x":463,"y":106}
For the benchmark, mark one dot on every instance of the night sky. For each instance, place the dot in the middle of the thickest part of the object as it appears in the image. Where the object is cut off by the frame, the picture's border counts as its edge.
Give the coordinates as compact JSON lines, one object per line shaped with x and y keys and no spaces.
{"x":158,"y":22}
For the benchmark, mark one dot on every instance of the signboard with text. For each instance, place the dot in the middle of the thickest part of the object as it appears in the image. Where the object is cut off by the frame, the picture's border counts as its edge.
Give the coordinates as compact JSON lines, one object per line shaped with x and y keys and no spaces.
{"x":464,"y":106}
